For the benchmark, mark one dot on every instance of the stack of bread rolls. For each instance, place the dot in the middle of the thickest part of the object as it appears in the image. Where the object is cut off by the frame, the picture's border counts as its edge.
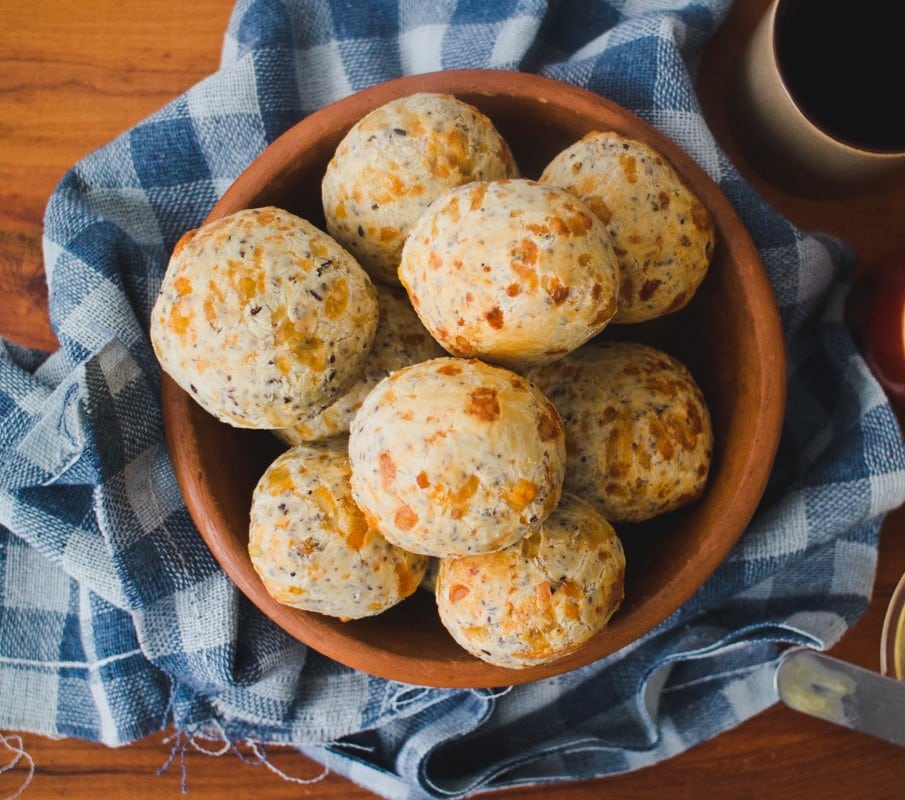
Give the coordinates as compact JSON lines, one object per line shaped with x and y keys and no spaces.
{"x":437,"y":364}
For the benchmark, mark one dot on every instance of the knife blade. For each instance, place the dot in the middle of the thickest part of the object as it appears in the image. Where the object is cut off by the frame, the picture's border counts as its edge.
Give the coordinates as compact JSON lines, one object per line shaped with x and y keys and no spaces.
{"x":833,"y":690}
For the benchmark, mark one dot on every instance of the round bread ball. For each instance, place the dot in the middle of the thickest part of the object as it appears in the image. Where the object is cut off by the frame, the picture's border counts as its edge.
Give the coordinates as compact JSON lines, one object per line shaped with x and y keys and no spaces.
{"x":454,"y":456}
{"x":395,"y":161}
{"x":662,"y":233}
{"x":400,"y":340}
{"x":263,"y":318}
{"x":312,"y":546}
{"x":540,"y":598}
{"x":512,"y":272}
{"x":638,"y":432}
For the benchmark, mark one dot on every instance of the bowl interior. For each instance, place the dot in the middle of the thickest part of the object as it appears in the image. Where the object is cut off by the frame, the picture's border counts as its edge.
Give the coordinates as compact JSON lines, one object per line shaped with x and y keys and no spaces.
{"x":729,"y":336}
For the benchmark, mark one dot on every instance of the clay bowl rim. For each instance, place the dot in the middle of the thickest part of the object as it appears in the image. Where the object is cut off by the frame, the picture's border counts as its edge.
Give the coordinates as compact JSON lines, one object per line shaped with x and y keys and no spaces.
{"x":742,"y":478}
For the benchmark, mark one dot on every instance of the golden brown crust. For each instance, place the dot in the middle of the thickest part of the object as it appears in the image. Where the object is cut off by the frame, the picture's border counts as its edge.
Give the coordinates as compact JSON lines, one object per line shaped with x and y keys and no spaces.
{"x":263,"y":318}
{"x":312,"y":546}
{"x":663,"y":234}
{"x":510,"y":271}
{"x":454,"y":456}
{"x":639,"y":439}
{"x":540,"y":598}
{"x":395,"y":161}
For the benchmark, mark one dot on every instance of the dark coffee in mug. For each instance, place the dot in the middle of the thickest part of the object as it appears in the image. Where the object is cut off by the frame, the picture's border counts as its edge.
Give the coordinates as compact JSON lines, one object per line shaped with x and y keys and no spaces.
{"x":843,"y":62}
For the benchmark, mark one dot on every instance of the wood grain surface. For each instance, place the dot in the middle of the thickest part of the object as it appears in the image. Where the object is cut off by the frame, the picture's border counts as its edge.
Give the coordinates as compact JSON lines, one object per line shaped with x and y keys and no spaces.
{"x":73,"y":75}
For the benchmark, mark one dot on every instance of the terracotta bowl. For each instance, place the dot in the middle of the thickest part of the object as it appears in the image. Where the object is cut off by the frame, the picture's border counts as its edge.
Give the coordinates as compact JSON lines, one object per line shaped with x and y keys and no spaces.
{"x":729,"y":335}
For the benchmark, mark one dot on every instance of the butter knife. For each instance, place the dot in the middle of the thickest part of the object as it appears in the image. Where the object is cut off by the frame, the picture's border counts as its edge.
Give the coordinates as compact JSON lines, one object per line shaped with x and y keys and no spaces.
{"x":836,"y":691}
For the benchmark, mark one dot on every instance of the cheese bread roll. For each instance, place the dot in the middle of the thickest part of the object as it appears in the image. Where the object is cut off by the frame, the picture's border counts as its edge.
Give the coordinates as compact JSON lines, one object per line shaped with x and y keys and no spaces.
{"x":395,"y":161}
{"x":663,"y":234}
{"x":510,"y":271}
{"x":638,"y":432}
{"x":263,"y":318}
{"x":454,"y":456}
{"x":400,"y":340}
{"x":313,"y":548}
{"x":540,"y":598}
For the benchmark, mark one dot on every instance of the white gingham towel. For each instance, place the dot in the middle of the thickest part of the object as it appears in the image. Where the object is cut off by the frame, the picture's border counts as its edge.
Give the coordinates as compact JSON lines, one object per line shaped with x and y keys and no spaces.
{"x":115,"y":620}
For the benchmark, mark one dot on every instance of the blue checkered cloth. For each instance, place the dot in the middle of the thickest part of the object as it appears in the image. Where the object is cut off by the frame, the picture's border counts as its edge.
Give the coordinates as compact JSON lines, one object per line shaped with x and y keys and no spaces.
{"x":116,"y":621}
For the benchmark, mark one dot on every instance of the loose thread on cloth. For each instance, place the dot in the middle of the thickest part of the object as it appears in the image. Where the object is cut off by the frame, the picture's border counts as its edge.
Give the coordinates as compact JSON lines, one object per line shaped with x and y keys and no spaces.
{"x":199,"y":741}
{"x":493,"y":694}
{"x":16,"y":746}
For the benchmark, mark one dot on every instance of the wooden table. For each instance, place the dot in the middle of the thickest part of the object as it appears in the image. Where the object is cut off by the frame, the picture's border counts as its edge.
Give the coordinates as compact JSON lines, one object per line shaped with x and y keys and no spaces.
{"x":73,"y":74}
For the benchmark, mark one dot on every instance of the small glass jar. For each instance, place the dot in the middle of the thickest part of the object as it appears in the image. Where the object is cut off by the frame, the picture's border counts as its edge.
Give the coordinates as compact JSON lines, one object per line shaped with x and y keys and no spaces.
{"x":892,"y":642}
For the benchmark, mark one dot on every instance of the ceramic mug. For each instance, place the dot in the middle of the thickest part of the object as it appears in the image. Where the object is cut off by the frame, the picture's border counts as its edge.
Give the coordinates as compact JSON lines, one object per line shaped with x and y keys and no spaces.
{"x":819,"y":96}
